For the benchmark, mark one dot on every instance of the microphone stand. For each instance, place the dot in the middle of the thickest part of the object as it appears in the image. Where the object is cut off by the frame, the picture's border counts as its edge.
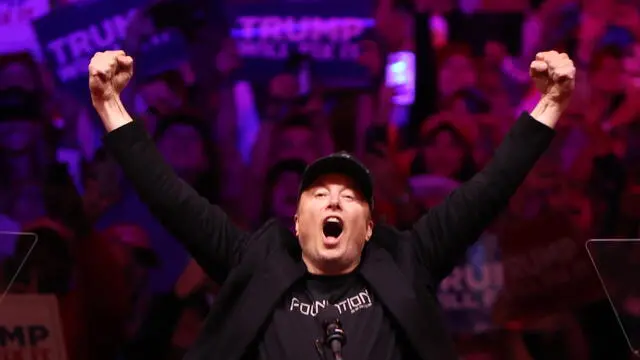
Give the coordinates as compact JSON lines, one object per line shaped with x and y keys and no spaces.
{"x":335,"y":339}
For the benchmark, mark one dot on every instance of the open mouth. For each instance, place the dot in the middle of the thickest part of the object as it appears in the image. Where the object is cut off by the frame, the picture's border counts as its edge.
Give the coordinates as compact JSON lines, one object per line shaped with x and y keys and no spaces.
{"x":332,"y":227}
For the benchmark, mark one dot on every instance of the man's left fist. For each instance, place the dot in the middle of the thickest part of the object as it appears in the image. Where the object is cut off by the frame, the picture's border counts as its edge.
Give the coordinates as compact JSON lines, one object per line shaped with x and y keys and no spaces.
{"x":554,"y":75}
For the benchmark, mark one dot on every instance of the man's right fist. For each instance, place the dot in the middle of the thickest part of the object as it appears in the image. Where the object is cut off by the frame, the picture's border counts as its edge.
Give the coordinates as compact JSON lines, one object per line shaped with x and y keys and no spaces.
{"x":109,"y":74}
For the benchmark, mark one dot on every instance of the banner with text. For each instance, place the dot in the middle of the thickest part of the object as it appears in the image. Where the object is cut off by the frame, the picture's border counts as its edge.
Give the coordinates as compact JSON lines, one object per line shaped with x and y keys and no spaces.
{"x":468,"y":294}
{"x":15,"y":25}
{"x":70,"y":35}
{"x":327,"y":31}
{"x":30,"y":328}
{"x":547,"y":269}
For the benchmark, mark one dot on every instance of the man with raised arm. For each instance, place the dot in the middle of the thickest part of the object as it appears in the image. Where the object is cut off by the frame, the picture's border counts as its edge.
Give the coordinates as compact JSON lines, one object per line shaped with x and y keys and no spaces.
{"x":380,"y":282}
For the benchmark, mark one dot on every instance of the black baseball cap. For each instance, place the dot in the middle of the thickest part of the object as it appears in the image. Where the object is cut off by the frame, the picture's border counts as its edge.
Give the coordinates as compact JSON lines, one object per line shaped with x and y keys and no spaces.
{"x":340,"y":163}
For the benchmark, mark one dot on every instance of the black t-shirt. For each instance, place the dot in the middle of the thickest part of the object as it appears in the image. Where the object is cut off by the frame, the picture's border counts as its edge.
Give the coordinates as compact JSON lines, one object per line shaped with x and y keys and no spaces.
{"x":293,"y":330}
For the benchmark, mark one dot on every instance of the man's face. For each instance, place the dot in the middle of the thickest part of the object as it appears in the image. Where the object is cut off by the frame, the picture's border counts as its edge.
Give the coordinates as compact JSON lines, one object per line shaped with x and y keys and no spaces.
{"x":332,"y":224}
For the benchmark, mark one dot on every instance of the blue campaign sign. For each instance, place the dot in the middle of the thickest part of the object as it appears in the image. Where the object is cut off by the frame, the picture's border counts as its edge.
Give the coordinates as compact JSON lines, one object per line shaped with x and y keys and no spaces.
{"x":469,"y":293}
{"x":328,"y":31}
{"x":70,"y":35}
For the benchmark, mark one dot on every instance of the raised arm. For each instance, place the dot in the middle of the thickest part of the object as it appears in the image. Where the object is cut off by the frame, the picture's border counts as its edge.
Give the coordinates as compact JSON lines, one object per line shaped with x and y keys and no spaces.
{"x":445,"y":232}
{"x":206,"y":231}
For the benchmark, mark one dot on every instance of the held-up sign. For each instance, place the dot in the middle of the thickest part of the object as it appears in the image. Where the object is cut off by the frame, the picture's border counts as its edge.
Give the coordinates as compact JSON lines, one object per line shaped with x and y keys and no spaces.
{"x":468,"y":294}
{"x":328,"y":31}
{"x":15,"y":25}
{"x":30,"y":328}
{"x":546,"y":269}
{"x":70,"y":35}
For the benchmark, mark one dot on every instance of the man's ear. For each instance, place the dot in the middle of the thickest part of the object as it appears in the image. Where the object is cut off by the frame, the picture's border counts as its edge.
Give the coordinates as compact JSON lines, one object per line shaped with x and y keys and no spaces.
{"x":369,"y":229}
{"x":295,"y":222}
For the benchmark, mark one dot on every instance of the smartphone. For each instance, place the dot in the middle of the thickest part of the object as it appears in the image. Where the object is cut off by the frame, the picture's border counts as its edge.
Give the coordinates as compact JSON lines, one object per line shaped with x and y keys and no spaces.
{"x":400,"y":76}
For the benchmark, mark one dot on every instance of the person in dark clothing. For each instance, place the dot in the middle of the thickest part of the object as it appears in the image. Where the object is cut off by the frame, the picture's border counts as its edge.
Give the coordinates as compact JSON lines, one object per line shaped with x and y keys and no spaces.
{"x":381,"y":281}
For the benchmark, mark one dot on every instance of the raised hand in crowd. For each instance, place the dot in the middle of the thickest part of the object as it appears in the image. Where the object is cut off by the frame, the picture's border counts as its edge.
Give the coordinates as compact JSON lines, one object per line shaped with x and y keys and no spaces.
{"x":192,"y":280}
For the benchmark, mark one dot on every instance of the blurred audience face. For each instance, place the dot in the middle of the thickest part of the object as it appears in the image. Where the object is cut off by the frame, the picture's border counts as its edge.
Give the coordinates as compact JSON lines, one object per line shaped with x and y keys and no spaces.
{"x":28,"y":203}
{"x":544,"y":176}
{"x":459,"y":107}
{"x":332,"y":195}
{"x":608,"y":75}
{"x":456,"y":73}
{"x":284,"y":197}
{"x":494,"y":53}
{"x":296,"y":142}
{"x":102,"y":186}
{"x":444,"y":153}
{"x":134,"y":253}
{"x":396,"y":27}
{"x":159,"y":97}
{"x":184,"y":149}
{"x":284,"y":87}
{"x":573,"y":204}
{"x":20,"y":75}
{"x":18,"y":136}
{"x":19,"y":82}
{"x":283,"y":92}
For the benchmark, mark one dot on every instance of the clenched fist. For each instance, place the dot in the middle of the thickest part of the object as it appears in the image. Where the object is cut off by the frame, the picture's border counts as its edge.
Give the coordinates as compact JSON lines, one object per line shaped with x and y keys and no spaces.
{"x":109,"y":74}
{"x":554,"y":75}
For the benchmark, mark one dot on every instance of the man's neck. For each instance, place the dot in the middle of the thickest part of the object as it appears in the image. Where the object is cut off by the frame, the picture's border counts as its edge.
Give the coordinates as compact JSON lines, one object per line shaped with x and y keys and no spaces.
{"x":328,"y":269}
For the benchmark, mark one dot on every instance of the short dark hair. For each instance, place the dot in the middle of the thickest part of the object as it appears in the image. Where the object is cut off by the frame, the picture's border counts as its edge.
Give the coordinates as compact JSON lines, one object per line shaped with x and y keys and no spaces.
{"x":173,"y":79}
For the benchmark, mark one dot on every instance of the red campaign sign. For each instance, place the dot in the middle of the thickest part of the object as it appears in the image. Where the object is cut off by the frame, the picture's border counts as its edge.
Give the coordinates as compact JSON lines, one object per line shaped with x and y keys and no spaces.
{"x":30,"y":328}
{"x":26,"y":354}
{"x":546,"y":269}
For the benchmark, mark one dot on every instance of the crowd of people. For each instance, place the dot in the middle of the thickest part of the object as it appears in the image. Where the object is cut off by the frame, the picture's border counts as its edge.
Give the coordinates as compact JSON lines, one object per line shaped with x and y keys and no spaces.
{"x":128,"y":290}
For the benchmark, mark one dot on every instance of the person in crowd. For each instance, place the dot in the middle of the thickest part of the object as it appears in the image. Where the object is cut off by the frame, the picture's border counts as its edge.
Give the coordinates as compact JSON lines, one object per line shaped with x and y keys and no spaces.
{"x":182,"y":140}
{"x":174,"y":318}
{"x":295,"y":138}
{"x":25,"y":153}
{"x":334,"y":253}
{"x":21,"y":71}
{"x":446,"y":151}
{"x":280,"y":198}
{"x":102,"y":183}
{"x":164,"y":94}
{"x":457,"y":70}
{"x":136,"y":259}
{"x":48,"y":268}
